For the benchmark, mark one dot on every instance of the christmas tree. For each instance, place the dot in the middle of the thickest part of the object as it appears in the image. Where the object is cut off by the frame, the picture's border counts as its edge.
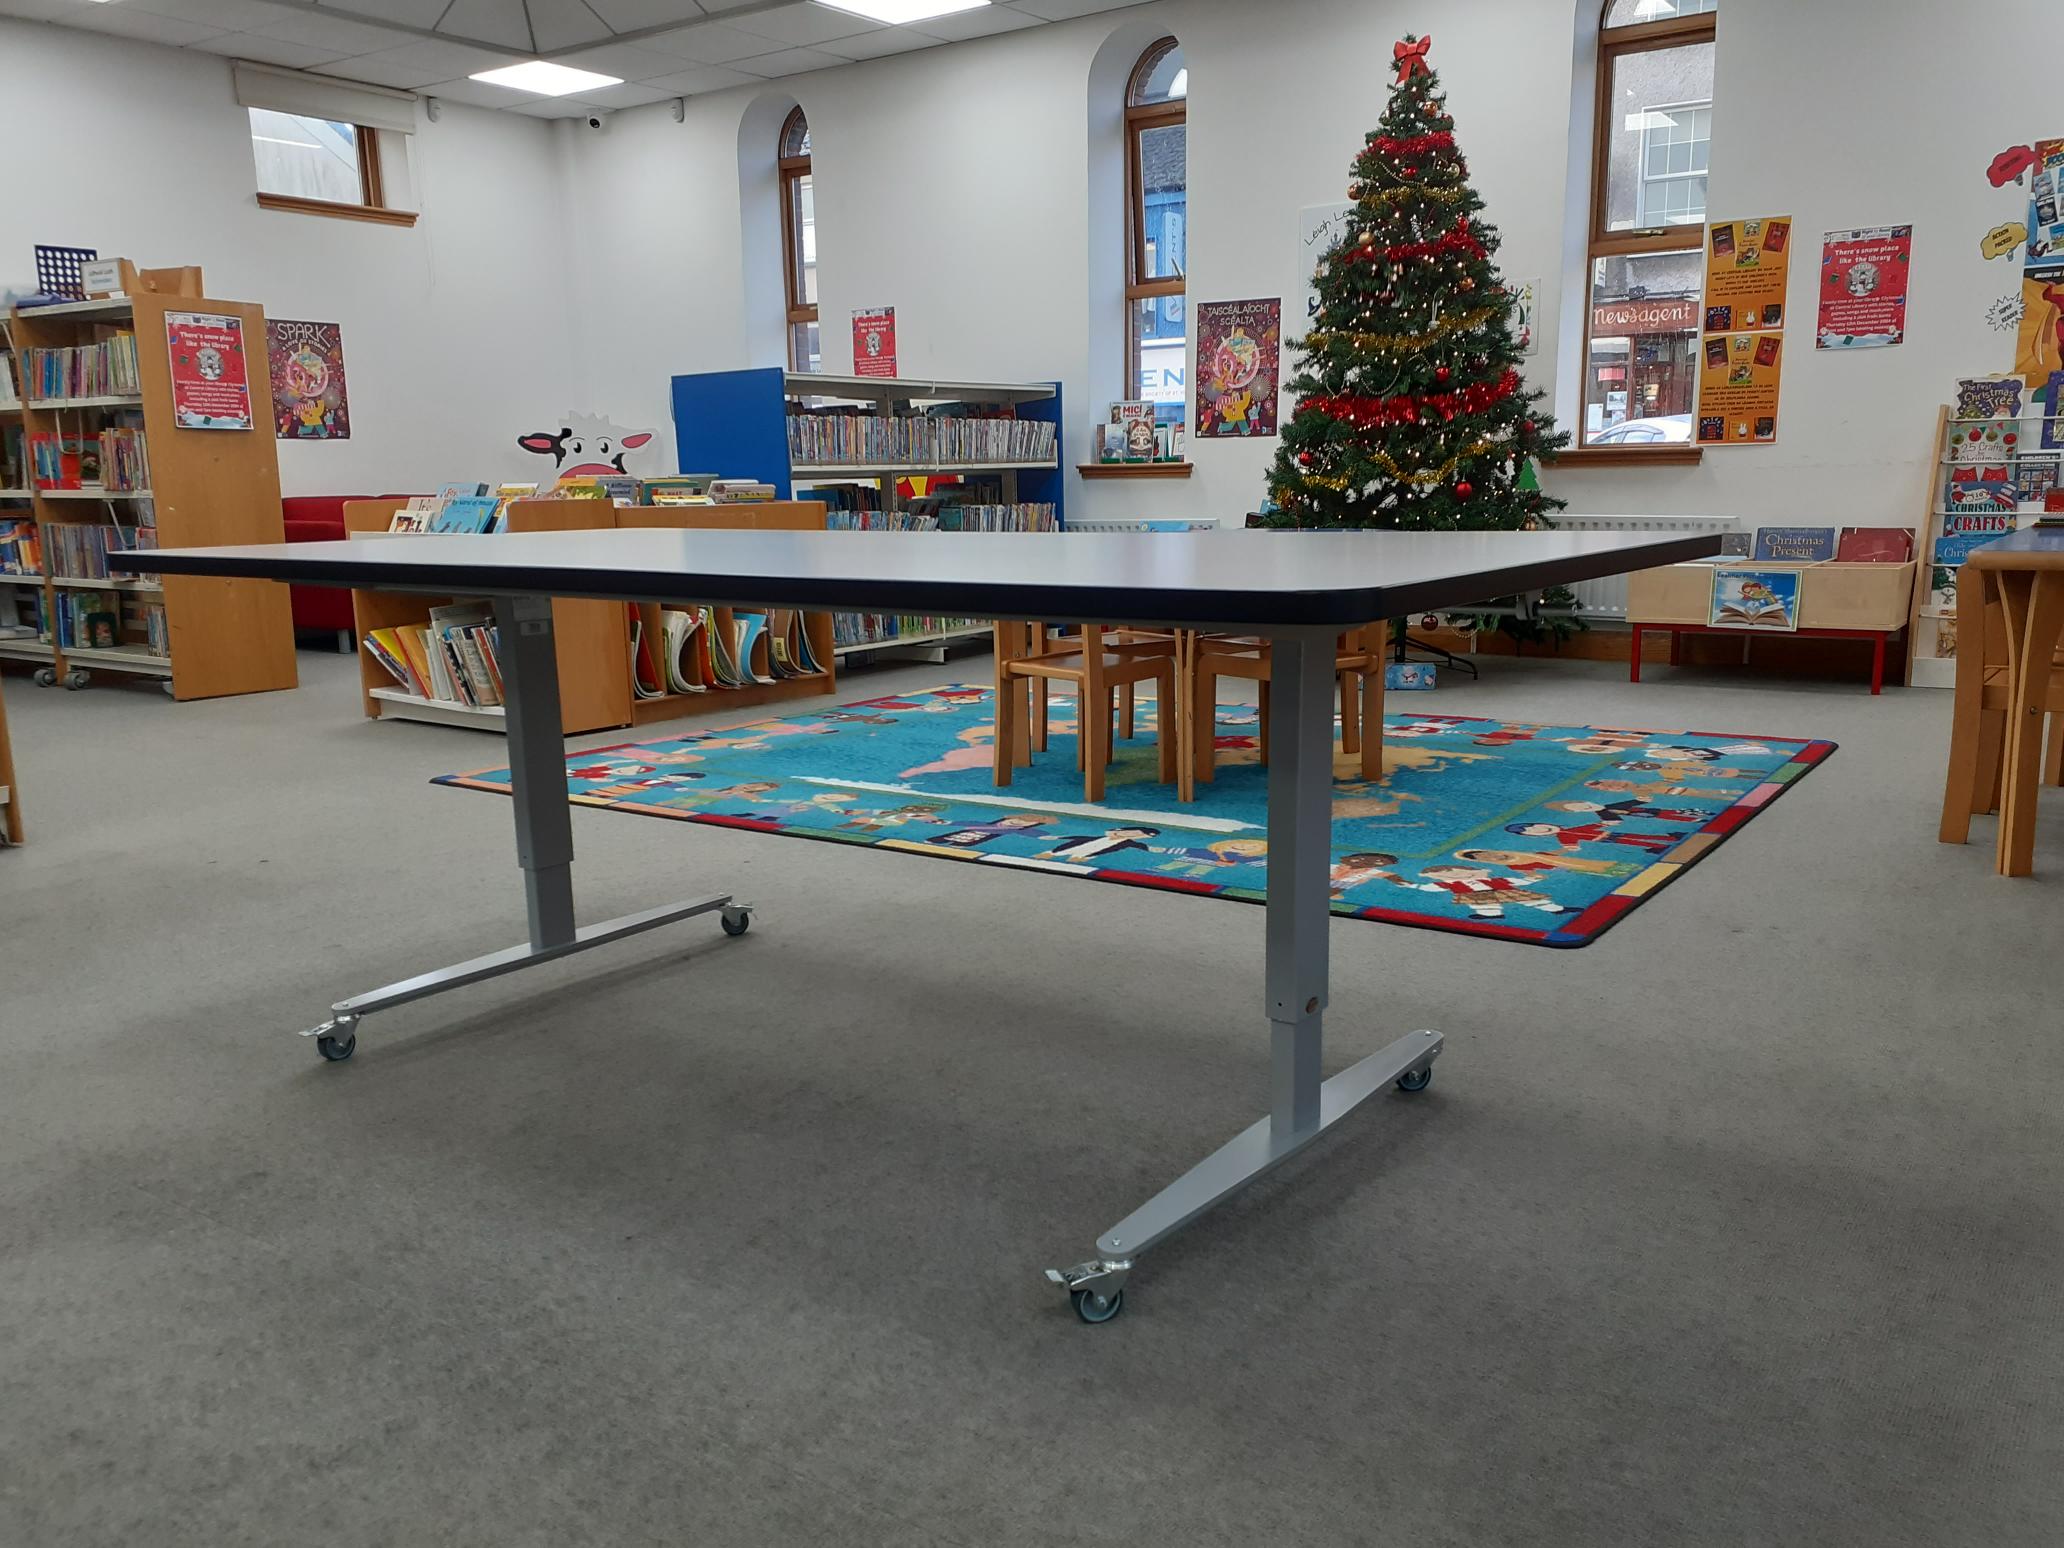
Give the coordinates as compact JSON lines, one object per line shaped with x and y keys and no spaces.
{"x":1410,"y":413}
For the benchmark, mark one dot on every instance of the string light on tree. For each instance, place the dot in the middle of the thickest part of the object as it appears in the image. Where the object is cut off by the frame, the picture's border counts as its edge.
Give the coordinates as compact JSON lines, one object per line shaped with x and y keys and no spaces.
{"x":1410,"y":412}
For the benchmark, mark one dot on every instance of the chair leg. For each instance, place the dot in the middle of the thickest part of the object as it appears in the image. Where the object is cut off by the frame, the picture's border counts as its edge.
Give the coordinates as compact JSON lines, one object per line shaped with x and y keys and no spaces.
{"x":2035,"y":619}
{"x":346,"y":645}
{"x":1974,"y":743}
{"x":1041,"y":687}
{"x":1372,"y":721}
{"x":1007,"y":694}
{"x":1185,"y":729}
{"x":1991,"y":763}
{"x":2053,"y":760}
{"x":1350,"y":725}
{"x":1128,"y":701}
{"x":1203,"y":724}
{"x":1166,"y":721}
{"x":1093,"y":714}
{"x":1265,"y":718}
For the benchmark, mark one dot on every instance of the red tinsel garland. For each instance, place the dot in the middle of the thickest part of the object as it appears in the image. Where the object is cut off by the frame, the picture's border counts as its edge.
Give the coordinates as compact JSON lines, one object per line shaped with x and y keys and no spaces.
{"x":1408,"y":409}
{"x":1459,"y":240}
{"x":1417,"y":145}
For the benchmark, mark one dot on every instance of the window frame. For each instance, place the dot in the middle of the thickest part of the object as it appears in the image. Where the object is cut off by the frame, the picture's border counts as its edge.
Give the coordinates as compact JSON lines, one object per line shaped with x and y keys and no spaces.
{"x":372,"y":189}
{"x":1614,"y":44}
{"x":1650,"y":179}
{"x":792,"y":167}
{"x":1139,"y":118}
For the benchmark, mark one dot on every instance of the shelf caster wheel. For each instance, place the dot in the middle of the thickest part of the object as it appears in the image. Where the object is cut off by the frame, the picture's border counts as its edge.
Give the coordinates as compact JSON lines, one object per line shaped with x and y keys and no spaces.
{"x":337,"y":1049}
{"x":1093,"y":1308}
{"x":76,"y":678}
{"x":46,"y":677}
{"x":737,"y":921}
{"x":1415,"y":1080}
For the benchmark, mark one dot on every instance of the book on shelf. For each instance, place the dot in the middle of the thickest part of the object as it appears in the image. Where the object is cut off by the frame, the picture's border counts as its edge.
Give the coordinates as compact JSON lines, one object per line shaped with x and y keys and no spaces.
{"x":450,"y":659}
{"x":2035,"y":475}
{"x":115,"y":458}
{"x":1876,"y":545}
{"x":10,"y":388}
{"x":103,"y":367}
{"x":968,"y":435}
{"x":467,"y":513}
{"x":21,"y":549}
{"x":740,"y":491}
{"x":1809,"y":544}
{"x":79,"y":550}
{"x":679,"y":489}
{"x":14,"y":457}
{"x":698,"y":649}
{"x":90,"y":620}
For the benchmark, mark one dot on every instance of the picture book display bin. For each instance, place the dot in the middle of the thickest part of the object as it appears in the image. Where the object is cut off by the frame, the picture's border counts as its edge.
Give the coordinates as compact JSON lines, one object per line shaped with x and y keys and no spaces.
{"x":1837,"y":600}
{"x":205,"y":637}
{"x":594,"y":637}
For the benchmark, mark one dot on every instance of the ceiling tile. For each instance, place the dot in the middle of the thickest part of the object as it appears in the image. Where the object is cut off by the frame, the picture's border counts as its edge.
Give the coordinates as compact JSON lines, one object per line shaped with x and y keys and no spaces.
{"x":625,"y":61}
{"x":562,"y":24}
{"x":123,"y":22}
{"x":628,"y":96}
{"x":478,"y":93}
{"x":488,"y":21}
{"x":978,"y":24}
{"x":1064,"y":10}
{"x":272,"y":51}
{"x":319,"y":31}
{"x":444,"y":60}
{"x":698,"y":78}
{"x":711,"y":43}
{"x":227,"y":15}
{"x":874,"y":45}
{"x":788,"y":61}
{"x":636,"y":15}
{"x":37,"y":10}
{"x":412,"y":13}
{"x":383,"y":69}
{"x":795,"y":24}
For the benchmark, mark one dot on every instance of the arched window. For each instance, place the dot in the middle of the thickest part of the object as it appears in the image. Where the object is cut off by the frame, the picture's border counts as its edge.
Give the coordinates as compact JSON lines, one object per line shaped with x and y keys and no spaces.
{"x":799,"y":246}
{"x":1650,"y":143}
{"x":1156,"y":227}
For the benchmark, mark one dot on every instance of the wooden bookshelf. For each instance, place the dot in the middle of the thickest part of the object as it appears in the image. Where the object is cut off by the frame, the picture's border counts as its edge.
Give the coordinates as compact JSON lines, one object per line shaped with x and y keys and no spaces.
{"x":594,"y":637}
{"x":207,"y":487}
{"x":10,"y":792}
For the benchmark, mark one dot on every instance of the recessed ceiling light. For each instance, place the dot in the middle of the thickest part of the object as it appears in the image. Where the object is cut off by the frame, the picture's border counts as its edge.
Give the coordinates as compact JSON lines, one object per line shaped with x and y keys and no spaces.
{"x":896,"y":13}
{"x":546,"y":79}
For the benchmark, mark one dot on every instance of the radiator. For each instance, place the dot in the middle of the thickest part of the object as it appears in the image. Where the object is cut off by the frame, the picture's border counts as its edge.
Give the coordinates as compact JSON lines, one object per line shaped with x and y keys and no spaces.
{"x":1608,"y":598}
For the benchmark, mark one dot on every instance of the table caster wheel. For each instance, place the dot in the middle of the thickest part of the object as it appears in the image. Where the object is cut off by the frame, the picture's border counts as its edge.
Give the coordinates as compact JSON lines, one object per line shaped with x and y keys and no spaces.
{"x":1415,"y":1080}
{"x":77,"y":678}
{"x":1094,"y":1308}
{"x":337,"y":1049}
{"x":46,"y":677}
{"x":737,"y":921}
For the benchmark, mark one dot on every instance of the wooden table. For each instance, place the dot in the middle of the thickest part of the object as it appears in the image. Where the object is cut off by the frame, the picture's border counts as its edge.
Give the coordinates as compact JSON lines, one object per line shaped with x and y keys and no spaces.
{"x":2026,"y":572}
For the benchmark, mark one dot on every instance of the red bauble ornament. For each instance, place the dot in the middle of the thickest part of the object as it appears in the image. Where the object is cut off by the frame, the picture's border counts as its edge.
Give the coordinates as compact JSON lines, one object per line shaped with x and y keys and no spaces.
{"x":1304,"y":459}
{"x":1440,"y":373}
{"x":1526,"y":427}
{"x":1464,"y":490}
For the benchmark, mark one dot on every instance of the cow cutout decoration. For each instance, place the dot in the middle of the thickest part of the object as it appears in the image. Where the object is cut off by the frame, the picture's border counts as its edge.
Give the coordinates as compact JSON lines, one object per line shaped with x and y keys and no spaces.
{"x":584,"y":444}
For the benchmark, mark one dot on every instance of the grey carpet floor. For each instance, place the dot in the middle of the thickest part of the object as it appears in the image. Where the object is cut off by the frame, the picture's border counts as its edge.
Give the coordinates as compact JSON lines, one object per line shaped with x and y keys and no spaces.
{"x":1738,"y":1227}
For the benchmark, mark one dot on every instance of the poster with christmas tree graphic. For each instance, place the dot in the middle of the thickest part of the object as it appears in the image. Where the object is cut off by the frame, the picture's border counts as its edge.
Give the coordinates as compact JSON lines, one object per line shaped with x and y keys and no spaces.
{"x":1409,"y":411}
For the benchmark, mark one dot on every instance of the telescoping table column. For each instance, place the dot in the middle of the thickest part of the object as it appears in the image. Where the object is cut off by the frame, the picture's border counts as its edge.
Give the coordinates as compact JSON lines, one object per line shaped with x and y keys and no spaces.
{"x":1296,"y":589}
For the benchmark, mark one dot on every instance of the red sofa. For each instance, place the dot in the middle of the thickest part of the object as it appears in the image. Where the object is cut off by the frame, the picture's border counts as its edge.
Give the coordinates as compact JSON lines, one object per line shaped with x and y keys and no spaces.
{"x":322,"y":609}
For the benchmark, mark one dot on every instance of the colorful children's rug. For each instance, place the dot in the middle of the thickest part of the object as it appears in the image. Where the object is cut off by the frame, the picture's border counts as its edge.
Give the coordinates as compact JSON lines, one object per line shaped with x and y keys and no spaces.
{"x":1546,"y":834}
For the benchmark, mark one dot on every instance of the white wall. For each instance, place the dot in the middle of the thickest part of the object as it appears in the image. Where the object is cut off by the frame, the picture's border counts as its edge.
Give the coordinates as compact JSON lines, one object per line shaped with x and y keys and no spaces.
{"x":456,"y":332}
{"x":952,"y":184}
{"x":970,"y":187}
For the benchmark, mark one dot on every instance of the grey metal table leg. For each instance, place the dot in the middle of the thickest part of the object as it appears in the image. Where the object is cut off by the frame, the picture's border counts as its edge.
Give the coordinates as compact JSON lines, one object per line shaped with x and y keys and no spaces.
{"x":544,"y":839}
{"x":1302,"y":1106}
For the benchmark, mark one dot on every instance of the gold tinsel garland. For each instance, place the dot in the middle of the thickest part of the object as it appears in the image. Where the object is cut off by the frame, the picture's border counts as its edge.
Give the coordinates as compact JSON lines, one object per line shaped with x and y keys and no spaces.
{"x":1423,"y":479}
{"x":1418,"y":190}
{"x":1454,"y":322}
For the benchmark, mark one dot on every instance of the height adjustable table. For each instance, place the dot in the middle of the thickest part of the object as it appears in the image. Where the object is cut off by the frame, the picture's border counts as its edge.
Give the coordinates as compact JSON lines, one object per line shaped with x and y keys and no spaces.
{"x":1296,"y":589}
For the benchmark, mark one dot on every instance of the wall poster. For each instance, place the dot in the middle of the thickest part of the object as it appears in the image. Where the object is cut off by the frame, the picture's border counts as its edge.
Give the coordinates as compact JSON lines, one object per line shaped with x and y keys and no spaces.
{"x":211,"y":379}
{"x":1741,"y":355}
{"x":1863,"y":278}
{"x":309,"y":398}
{"x":874,"y":341}
{"x":1239,"y":362}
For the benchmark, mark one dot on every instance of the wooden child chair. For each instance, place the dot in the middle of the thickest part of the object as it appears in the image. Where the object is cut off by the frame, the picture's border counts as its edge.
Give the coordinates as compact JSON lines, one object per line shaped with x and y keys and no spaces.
{"x":1098,"y":661}
{"x":1358,"y":663}
{"x":1978,"y":724}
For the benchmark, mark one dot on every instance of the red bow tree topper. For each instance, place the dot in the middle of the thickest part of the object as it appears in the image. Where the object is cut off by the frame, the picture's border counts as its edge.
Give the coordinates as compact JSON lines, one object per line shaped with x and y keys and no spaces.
{"x":1410,"y":57}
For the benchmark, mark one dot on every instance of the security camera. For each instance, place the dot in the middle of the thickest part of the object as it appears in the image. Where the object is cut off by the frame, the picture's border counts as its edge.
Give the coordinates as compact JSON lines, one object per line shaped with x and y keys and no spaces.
{"x":597,"y":122}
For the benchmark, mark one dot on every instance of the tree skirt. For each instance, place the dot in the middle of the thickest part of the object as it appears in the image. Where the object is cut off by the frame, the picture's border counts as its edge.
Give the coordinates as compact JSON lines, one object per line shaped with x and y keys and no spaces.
{"x":1544,"y":834}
